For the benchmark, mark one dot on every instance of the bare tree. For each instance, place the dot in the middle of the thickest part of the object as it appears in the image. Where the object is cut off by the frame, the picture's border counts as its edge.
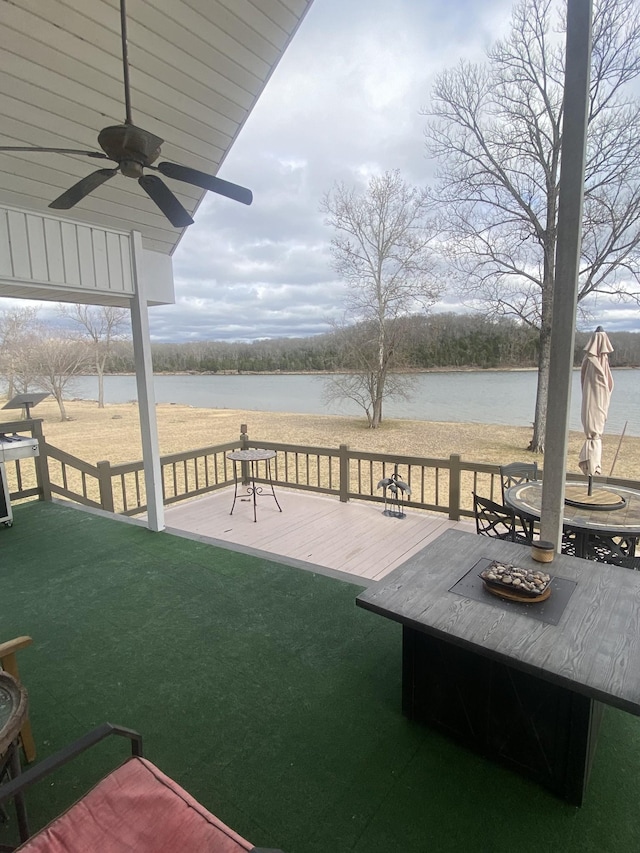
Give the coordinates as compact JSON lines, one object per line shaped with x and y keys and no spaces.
{"x":359,"y":352}
{"x":54,"y":359}
{"x":496,"y":131}
{"x":381,"y":249}
{"x":17,"y":327}
{"x":101,"y":325}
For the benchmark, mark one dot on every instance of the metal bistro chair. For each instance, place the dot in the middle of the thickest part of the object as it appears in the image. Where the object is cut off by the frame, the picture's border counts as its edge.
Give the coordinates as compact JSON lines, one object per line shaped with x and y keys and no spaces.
{"x":615,"y":551}
{"x":512,"y":475}
{"x":493,"y":519}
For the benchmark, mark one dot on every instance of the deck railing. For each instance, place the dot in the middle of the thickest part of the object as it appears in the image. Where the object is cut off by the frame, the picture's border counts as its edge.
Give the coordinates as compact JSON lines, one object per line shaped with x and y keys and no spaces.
{"x":436,"y":485}
{"x":28,"y":477}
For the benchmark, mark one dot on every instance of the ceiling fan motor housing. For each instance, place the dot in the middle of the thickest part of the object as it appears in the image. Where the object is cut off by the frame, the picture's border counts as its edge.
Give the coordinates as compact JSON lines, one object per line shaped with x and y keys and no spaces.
{"x":130,"y":146}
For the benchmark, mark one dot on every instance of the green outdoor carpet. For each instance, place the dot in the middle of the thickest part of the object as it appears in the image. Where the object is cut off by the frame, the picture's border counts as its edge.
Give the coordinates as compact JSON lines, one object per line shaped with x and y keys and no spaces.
{"x":268,"y":695}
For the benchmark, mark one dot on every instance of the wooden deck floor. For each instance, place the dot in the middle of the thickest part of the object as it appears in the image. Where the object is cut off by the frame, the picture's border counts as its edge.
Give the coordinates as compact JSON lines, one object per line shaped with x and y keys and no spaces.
{"x":316,"y":532}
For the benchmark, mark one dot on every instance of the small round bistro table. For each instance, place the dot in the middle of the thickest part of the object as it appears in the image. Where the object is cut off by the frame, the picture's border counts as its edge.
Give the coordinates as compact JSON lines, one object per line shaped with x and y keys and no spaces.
{"x":249,"y":460}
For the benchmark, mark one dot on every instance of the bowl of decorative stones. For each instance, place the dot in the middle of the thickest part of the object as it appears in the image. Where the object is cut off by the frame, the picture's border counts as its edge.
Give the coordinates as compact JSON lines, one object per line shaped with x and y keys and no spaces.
{"x":516,"y":584}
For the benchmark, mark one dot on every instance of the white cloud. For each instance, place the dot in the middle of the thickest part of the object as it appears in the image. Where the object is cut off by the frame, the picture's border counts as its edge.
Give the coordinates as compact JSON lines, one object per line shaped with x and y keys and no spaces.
{"x":343,"y":104}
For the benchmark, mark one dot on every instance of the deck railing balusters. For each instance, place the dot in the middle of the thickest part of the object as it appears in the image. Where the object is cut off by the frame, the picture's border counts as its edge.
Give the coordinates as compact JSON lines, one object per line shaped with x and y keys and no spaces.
{"x":106,"y":486}
{"x":123,"y":487}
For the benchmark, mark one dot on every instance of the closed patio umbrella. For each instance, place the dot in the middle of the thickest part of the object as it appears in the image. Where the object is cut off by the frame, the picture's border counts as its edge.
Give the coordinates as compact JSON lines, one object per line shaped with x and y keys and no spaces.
{"x":597,"y":385}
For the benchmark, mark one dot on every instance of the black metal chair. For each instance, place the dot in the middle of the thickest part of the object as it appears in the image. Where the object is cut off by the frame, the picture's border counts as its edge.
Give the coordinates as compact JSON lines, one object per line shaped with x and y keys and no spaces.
{"x":135,"y":807}
{"x":493,"y":519}
{"x":512,"y":475}
{"x":616,"y":551}
{"x":517,"y":472}
{"x":570,"y":540}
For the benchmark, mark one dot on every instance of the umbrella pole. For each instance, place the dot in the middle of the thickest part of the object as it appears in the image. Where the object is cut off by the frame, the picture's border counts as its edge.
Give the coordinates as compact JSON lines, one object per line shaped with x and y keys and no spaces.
{"x":615,"y":458}
{"x":590,"y":487}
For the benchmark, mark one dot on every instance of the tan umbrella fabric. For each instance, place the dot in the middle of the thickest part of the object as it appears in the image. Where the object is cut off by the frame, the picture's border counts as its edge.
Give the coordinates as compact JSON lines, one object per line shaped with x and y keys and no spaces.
{"x":597,"y":385}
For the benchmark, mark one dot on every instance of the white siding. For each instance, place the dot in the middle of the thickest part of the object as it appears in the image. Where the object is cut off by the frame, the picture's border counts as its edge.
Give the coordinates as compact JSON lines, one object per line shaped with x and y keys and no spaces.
{"x":47,"y":258}
{"x":42,"y":250}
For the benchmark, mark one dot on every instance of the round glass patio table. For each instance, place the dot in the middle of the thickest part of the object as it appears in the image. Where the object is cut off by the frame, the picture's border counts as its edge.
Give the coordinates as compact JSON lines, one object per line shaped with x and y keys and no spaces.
{"x":624,"y":522}
{"x":13,"y":713}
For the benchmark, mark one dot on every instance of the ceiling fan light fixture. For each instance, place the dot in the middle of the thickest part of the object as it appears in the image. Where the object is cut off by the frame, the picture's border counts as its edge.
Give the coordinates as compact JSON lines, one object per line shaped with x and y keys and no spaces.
{"x":131,"y":168}
{"x":127,"y":142}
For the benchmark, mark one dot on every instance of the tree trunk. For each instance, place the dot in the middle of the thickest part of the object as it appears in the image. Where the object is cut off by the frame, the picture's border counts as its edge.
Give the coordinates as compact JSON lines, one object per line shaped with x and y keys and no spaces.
{"x":100,"y":389}
{"x":540,"y":422}
{"x":376,"y":418}
{"x":379,"y":379}
{"x":101,"y":359}
{"x":546,"y":323}
{"x":544,"y":358}
{"x":60,"y":402}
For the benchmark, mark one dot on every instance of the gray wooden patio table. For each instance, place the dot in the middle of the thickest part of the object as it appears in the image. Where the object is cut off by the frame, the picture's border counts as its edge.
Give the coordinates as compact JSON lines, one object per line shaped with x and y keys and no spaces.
{"x":499,"y":678}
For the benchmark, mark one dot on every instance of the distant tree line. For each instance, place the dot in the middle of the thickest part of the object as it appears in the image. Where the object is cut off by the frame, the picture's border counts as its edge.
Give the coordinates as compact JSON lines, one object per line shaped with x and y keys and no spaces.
{"x":434,"y":341}
{"x":46,"y":357}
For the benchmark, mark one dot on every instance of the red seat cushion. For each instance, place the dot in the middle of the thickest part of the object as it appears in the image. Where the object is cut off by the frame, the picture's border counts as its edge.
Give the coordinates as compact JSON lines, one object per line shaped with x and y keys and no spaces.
{"x":136,"y":808}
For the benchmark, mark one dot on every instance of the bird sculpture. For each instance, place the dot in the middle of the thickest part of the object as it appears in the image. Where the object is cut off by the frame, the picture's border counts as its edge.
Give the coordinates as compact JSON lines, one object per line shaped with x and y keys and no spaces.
{"x":398,"y":489}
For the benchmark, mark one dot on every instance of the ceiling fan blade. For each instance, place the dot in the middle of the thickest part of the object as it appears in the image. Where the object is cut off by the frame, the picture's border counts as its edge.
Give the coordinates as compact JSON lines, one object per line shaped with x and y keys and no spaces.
{"x":166,"y":201}
{"x":97,"y":154}
{"x":78,"y":191}
{"x":207,"y":182}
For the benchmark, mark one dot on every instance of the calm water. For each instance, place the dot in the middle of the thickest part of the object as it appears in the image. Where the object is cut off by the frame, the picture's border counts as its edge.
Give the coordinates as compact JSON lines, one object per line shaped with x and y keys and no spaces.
{"x":500,"y":397}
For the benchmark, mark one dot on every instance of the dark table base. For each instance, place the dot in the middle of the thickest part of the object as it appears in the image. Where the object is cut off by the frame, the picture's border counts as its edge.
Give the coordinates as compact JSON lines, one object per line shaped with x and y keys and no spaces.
{"x":537,"y":728}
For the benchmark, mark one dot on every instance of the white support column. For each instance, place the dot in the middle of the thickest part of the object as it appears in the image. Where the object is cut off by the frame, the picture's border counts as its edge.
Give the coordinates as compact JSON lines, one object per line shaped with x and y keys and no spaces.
{"x":146,"y":394}
{"x":565,"y":296}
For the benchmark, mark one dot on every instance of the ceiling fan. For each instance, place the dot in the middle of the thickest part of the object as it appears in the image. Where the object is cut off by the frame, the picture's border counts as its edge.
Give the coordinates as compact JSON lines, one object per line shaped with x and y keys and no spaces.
{"x":135,"y":150}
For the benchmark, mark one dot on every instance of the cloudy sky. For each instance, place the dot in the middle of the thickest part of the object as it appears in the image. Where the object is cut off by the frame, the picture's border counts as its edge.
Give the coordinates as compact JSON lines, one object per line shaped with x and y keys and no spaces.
{"x":344,"y":103}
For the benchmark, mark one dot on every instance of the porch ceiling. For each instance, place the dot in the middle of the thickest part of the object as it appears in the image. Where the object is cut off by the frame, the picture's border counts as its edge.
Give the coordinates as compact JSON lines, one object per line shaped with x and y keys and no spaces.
{"x":197,"y":68}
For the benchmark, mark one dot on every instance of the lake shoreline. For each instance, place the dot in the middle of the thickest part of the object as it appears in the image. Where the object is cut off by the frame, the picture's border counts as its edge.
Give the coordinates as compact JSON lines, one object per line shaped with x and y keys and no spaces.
{"x":418,"y":371}
{"x":490,"y":397}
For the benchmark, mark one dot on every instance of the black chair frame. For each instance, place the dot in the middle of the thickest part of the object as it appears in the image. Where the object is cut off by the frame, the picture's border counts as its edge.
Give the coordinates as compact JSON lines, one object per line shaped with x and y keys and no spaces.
{"x":512,"y":475}
{"x":498,"y":521}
